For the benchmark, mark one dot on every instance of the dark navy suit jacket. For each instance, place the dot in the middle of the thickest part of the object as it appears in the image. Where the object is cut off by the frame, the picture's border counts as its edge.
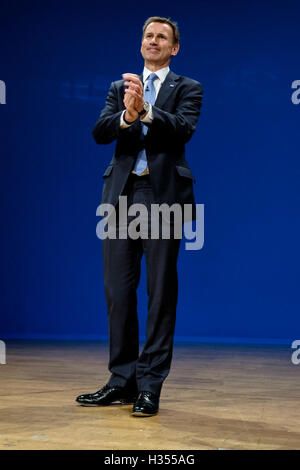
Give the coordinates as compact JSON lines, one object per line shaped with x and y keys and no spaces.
{"x":175,"y":115}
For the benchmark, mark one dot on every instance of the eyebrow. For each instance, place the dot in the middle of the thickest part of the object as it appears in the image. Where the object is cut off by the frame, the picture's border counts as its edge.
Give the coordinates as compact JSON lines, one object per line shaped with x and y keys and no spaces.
{"x":162,"y":34}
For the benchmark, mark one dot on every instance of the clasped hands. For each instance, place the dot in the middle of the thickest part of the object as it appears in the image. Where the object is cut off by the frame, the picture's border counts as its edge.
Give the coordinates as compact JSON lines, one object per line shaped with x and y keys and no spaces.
{"x":134,"y":96}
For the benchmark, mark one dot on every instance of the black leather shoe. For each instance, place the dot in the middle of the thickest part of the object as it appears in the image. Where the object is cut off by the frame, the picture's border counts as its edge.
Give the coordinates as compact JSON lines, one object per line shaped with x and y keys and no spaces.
{"x":107,"y":395}
{"x":147,"y":404}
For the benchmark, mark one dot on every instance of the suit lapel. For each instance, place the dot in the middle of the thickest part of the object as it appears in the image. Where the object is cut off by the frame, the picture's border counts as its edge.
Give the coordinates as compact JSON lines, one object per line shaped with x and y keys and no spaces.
{"x":167,"y":88}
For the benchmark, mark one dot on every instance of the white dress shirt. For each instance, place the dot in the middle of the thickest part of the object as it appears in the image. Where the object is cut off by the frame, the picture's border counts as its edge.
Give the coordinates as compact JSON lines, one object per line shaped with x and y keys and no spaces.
{"x":161,"y":74}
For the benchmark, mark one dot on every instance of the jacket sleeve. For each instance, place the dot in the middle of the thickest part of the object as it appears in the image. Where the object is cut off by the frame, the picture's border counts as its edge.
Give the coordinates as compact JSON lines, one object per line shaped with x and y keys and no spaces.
{"x":107,"y":128}
{"x":182,"y":124}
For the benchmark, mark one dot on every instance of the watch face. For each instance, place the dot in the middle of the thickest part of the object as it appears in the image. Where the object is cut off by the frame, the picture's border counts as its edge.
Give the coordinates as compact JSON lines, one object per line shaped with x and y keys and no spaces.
{"x":145,"y":109}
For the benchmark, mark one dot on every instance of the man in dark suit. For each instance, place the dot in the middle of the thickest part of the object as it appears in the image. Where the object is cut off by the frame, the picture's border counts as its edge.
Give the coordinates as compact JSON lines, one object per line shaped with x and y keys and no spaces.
{"x":152,"y":117}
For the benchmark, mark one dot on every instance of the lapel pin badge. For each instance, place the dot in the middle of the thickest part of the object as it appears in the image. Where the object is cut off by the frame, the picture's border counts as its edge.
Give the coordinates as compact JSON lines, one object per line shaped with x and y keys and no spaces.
{"x":171,"y":84}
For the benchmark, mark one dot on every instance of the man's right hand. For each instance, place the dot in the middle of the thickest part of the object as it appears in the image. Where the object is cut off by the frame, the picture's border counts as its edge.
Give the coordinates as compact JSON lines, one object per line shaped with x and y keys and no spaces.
{"x":131,"y":113}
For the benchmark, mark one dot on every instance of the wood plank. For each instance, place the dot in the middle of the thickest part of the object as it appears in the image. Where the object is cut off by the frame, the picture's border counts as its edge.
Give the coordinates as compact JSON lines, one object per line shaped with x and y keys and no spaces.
{"x":216,"y":396}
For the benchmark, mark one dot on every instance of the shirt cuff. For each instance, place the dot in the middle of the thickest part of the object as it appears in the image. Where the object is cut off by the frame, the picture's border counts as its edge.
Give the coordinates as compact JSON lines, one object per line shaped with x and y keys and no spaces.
{"x":149,"y":116}
{"x":123,"y":124}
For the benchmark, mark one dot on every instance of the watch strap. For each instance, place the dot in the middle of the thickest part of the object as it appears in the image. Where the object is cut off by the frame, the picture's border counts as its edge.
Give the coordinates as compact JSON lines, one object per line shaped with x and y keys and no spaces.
{"x":145,"y":109}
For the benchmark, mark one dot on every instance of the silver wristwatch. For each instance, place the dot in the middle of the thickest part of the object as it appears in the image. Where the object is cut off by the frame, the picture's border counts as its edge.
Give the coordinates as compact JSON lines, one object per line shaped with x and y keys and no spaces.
{"x":145,"y":109}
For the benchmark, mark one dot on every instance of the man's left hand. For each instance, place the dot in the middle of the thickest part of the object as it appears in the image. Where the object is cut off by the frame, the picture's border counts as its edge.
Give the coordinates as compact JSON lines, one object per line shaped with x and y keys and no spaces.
{"x":135,"y":89}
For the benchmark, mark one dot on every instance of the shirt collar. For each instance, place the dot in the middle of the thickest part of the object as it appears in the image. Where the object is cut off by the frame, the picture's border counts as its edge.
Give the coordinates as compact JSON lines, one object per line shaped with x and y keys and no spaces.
{"x":161,"y":73}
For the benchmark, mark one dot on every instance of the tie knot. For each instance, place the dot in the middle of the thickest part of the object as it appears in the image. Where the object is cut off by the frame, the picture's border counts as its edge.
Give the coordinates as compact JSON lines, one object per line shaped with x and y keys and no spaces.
{"x":152,"y":77}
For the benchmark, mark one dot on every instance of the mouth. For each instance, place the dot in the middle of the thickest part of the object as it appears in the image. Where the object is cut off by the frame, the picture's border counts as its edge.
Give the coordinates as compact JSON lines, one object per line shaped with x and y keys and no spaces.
{"x":153,"y":49}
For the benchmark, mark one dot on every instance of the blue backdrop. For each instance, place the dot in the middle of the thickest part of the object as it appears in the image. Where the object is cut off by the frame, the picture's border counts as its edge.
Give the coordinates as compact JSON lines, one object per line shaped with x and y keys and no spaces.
{"x":58,"y":59}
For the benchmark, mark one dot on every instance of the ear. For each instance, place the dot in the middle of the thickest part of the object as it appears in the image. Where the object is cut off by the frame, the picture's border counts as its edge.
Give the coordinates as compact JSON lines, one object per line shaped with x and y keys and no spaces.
{"x":175,"y":49}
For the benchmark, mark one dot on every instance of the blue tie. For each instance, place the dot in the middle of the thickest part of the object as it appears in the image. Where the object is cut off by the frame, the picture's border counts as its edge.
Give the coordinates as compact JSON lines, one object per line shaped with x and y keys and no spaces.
{"x":149,"y":95}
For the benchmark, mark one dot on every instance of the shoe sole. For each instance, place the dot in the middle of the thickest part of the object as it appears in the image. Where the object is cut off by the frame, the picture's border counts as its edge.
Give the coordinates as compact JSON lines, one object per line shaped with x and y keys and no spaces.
{"x":141,"y":415}
{"x":120,"y":402}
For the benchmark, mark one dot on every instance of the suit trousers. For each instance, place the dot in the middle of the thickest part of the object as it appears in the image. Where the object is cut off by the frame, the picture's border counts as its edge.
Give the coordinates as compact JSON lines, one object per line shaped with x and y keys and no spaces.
{"x":121,"y":265}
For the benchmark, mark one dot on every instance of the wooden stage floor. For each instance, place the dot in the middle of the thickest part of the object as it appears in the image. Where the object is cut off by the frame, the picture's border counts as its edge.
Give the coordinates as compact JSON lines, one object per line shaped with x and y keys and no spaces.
{"x":215,"y":397}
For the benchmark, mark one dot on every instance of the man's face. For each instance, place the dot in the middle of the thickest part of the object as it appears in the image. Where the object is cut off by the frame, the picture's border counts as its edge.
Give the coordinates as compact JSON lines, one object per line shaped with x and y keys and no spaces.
{"x":157,"y":44}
